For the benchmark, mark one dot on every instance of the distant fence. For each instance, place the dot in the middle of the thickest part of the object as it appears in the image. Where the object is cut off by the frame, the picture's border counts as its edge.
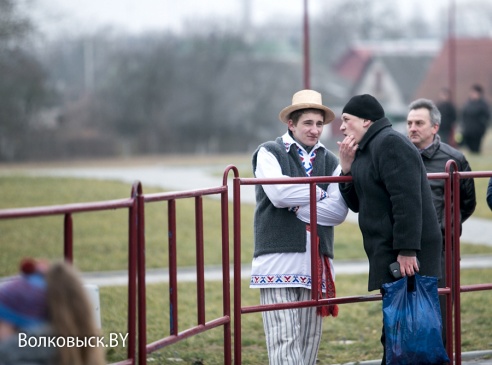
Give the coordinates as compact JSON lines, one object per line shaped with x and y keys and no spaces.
{"x":137,"y":327}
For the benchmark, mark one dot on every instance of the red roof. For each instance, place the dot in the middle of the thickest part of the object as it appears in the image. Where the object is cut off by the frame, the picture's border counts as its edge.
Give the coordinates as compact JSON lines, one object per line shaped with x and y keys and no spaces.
{"x":473,"y":65}
{"x":352,"y":64}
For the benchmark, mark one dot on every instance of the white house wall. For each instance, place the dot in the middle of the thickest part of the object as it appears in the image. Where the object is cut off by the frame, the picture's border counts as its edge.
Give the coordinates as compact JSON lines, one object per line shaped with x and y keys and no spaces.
{"x":389,"y":95}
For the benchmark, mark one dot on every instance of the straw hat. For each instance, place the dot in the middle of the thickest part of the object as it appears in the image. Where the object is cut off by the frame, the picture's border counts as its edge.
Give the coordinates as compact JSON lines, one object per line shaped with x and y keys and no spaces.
{"x":306,"y":99}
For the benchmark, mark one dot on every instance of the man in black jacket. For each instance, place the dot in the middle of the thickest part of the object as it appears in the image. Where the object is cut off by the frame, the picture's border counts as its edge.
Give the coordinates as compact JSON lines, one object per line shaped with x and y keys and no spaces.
{"x":423,"y":122}
{"x":476,"y":117}
{"x":448,"y":116}
{"x":391,"y":192}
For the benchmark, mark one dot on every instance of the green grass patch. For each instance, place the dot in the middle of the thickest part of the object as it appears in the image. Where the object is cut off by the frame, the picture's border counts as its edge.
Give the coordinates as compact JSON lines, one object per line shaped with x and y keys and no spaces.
{"x":352,"y":336}
{"x":482,"y":162}
{"x":101,"y":238}
{"x":482,"y":210}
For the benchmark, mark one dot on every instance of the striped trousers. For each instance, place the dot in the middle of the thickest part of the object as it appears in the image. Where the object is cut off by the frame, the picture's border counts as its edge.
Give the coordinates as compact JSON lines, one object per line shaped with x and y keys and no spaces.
{"x":292,"y":335}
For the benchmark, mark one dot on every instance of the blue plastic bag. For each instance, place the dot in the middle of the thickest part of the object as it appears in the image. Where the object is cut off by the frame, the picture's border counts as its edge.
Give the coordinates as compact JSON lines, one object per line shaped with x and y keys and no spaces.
{"x":412,"y":322}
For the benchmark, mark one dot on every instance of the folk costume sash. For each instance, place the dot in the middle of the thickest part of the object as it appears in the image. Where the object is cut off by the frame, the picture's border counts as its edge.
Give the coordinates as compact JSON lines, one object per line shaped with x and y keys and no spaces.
{"x":322,"y":264}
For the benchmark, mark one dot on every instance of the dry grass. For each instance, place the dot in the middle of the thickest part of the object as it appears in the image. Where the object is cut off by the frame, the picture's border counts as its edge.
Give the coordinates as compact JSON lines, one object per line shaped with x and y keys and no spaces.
{"x":352,"y":336}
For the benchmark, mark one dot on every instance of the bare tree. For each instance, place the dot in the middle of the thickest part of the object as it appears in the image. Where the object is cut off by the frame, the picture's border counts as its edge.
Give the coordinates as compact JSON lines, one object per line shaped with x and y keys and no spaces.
{"x":22,"y":87}
{"x":14,"y":27}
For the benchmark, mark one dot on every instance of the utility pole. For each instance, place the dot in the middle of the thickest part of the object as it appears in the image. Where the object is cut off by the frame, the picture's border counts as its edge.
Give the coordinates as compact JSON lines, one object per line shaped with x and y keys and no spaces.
{"x":452,"y":50}
{"x":89,"y":71}
{"x":246,"y":20}
{"x":307,"y":71}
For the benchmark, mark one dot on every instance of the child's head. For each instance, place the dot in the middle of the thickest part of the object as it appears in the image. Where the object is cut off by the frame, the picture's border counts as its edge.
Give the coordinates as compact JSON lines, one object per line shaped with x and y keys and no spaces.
{"x":23,"y":303}
{"x":52,"y":298}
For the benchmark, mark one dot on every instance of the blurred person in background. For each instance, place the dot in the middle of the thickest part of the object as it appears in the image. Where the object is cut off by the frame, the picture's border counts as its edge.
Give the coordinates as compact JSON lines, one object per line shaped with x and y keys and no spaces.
{"x":423,"y":128}
{"x":448,"y":116}
{"x":47,"y":301}
{"x":475,"y":117}
{"x":281,"y":266}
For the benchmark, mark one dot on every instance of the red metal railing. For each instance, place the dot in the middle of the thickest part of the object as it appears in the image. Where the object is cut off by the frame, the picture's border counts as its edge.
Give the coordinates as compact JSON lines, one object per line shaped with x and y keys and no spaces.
{"x":136,"y":259}
{"x":202,"y":325}
{"x":458,"y":288}
{"x":67,"y":211}
{"x":315,"y":301}
{"x":452,"y":256}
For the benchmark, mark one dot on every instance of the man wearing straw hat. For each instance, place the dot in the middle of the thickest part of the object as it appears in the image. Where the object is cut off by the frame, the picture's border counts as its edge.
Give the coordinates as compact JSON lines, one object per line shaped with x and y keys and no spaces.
{"x":281,"y":266}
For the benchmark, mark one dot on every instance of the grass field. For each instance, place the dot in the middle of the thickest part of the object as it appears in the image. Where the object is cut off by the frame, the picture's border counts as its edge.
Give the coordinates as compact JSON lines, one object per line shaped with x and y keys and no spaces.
{"x":481,"y":163}
{"x":352,"y":336}
{"x":101,"y":238}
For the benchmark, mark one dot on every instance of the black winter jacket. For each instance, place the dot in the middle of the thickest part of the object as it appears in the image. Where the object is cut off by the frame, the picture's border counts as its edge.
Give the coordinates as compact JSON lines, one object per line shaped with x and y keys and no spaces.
{"x":435,"y":158}
{"x":476,"y":116}
{"x":393,"y":197}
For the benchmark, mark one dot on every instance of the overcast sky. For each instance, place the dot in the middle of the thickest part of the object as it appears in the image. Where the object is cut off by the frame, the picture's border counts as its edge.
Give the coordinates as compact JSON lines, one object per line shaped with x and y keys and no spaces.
{"x":73,"y":16}
{"x":142,"y":15}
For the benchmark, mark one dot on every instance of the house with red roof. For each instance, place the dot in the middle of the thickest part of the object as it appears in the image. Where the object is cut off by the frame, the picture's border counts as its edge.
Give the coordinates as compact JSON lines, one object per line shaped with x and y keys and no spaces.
{"x":473,"y":64}
{"x":390,"y":70}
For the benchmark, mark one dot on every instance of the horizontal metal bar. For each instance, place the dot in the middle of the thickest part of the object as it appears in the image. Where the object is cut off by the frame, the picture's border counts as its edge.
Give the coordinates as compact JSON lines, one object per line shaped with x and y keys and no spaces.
{"x":444,"y":291}
{"x":124,"y":362}
{"x":183,"y":194}
{"x":319,"y":179}
{"x":438,"y":176}
{"x":312,"y":303}
{"x":475,"y":287}
{"x":468,"y":174}
{"x":65,"y":209}
{"x":294,"y":180}
{"x":154,"y":346}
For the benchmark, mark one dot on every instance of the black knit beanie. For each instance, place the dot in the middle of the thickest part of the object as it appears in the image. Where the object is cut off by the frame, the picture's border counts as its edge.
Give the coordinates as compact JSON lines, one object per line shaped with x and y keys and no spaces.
{"x":364,"y":106}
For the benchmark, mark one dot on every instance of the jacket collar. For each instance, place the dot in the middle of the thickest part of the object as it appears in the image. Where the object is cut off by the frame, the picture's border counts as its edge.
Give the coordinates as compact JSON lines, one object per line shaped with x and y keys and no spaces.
{"x":374,"y":129}
{"x":432,"y":149}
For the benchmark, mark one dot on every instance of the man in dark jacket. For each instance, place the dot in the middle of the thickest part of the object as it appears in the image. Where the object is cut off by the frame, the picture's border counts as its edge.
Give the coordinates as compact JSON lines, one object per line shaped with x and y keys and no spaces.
{"x":476,"y":116}
{"x":423,"y":126}
{"x":391,"y":192}
{"x":448,"y":116}
{"x":423,"y":123}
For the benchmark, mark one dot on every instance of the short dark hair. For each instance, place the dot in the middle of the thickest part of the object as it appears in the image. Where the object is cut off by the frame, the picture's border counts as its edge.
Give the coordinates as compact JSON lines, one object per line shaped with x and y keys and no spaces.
{"x":478,"y":88}
{"x":435,"y":114}
{"x":296,"y":114}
